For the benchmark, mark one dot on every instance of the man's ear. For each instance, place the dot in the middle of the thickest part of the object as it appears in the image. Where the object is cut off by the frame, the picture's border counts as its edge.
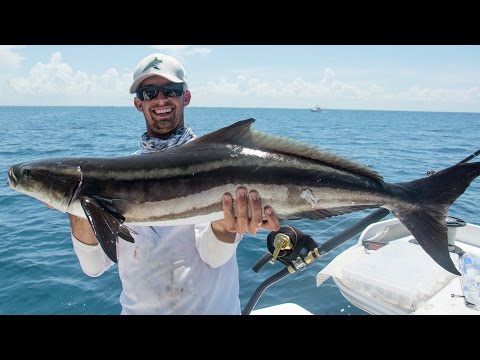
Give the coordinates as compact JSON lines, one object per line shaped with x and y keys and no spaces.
{"x":138,"y":104}
{"x":187,"y":97}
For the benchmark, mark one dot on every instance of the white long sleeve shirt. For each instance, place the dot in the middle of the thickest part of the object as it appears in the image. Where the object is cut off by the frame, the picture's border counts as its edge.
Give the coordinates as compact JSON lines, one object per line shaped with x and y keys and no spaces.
{"x":171,"y":270}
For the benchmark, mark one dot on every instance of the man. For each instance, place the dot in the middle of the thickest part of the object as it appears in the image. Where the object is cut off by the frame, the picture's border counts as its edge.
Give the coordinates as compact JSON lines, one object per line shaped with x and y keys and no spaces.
{"x":189,"y":269}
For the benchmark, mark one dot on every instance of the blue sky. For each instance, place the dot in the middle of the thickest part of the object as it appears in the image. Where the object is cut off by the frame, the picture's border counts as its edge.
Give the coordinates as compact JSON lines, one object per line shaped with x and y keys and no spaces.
{"x":371,"y":77}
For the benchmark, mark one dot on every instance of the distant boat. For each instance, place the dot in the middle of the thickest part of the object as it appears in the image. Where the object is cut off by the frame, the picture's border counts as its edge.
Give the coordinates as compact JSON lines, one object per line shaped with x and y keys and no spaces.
{"x":316,"y":108}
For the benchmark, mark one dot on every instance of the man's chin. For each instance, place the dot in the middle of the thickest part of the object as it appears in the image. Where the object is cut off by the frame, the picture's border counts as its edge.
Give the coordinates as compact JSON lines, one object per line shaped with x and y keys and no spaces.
{"x":164,"y":131}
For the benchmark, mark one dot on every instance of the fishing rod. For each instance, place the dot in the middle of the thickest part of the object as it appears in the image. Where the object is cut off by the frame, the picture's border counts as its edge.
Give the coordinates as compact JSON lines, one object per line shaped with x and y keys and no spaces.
{"x":467,"y":159}
{"x":297,"y":249}
{"x":470,"y":157}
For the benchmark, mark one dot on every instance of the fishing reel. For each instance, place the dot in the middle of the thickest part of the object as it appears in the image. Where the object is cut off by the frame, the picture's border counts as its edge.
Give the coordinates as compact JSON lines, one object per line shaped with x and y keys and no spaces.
{"x":292,"y":247}
{"x":296,"y":250}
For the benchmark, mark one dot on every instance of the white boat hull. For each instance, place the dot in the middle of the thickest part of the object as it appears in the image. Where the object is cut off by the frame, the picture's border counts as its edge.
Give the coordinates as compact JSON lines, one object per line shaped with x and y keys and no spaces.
{"x":400,"y":278}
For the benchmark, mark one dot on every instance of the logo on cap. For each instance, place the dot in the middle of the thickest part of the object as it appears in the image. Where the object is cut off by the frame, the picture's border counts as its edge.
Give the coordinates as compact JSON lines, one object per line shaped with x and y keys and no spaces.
{"x":153,"y":64}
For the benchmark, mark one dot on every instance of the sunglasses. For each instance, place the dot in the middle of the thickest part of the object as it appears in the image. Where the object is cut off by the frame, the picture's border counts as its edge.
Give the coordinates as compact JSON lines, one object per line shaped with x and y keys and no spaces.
{"x":170,"y":90}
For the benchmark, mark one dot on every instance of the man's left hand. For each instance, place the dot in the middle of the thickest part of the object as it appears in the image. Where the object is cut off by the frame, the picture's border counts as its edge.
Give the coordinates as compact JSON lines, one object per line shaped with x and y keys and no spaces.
{"x":242,"y":223}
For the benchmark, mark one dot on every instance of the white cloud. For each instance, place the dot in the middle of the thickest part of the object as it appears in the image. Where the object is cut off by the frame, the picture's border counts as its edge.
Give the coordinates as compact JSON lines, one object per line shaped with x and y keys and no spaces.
{"x":179,"y":50}
{"x":440,"y":95}
{"x":472,"y":93}
{"x":289,"y":89}
{"x":10,"y":61}
{"x":252,"y":89}
{"x":58,"y":83}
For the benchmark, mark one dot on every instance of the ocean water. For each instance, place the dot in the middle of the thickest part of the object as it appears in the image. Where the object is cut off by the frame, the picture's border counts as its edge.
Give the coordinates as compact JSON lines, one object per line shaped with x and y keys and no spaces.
{"x":40,"y":274}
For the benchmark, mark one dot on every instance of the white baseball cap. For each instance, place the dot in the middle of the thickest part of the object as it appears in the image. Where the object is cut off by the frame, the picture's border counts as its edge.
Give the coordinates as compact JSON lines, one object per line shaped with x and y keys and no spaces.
{"x":158,"y":64}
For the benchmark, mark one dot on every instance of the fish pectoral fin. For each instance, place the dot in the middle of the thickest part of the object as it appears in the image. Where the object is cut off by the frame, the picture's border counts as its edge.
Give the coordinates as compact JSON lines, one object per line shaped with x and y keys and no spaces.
{"x":124,"y":233}
{"x":109,"y":206}
{"x":106,"y":226}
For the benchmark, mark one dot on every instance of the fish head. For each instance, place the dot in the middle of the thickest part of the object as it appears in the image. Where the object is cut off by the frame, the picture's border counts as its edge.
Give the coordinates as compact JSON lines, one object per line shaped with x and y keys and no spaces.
{"x":54,"y":181}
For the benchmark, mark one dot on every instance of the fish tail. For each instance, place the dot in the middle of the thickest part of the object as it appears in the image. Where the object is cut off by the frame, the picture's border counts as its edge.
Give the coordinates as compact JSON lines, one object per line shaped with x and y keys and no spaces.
{"x":431,"y":198}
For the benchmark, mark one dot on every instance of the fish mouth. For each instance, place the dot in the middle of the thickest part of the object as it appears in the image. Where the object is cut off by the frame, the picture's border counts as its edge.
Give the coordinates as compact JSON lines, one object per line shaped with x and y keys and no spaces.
{"x":12,"y":178}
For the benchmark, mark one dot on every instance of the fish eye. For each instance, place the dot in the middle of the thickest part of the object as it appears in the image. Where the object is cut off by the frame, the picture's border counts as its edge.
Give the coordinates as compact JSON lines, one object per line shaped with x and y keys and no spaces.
{"x":26,"y":174}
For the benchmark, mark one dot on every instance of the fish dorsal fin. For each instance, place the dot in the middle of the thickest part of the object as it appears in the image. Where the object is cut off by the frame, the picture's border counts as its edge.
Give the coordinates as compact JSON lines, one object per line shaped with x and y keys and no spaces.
{"x":241,"y":134}
{"x":238,"y":133}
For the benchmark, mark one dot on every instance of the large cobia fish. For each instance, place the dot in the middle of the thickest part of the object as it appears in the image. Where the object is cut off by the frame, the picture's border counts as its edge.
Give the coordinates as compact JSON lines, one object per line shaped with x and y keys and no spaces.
{"x":184,"y":185}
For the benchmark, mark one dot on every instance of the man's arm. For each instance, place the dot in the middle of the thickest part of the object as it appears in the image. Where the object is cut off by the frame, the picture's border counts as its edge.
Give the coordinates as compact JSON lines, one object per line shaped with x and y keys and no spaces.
{"x":82,"y":230}
{"x":91,"y":256}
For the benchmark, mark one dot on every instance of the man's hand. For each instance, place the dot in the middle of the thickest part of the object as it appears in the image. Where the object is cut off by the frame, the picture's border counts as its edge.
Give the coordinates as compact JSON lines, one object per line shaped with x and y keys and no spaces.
{"x":226,"y":228}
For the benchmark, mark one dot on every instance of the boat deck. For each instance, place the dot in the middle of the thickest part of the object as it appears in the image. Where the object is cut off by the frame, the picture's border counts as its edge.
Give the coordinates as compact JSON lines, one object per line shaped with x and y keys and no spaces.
{"x":399,"y":277}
